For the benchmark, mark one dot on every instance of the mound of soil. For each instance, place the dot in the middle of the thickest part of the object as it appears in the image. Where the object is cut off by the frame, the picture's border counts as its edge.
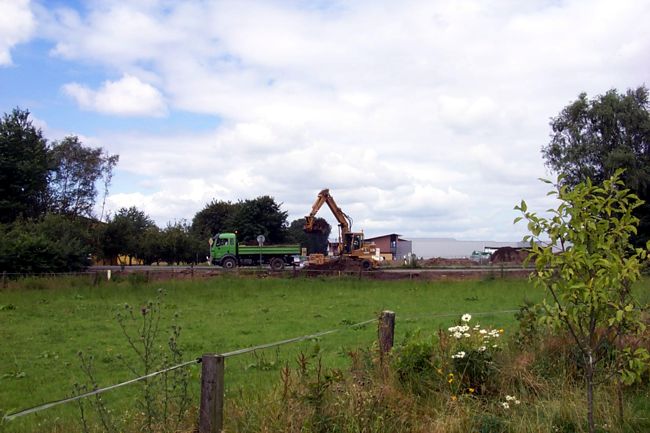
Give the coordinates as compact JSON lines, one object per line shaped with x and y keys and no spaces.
{"x":509,"y":255}
{"x":439,"y":261}
{"x":340,"y":264}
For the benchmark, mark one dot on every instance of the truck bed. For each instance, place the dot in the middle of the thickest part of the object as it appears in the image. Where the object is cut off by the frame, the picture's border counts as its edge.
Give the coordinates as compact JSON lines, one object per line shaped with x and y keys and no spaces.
{"x":270,"y":249}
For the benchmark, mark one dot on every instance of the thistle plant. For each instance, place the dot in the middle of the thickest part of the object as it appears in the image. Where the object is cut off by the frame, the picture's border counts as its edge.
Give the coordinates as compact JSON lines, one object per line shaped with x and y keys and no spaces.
{"x":165,"y":399}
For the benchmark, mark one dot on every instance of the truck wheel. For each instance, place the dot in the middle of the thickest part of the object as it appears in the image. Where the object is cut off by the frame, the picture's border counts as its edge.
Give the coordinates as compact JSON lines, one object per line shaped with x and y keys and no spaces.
{"x":276,"y":264}
{"x":229,"y":263}
{"x":366,"y":265}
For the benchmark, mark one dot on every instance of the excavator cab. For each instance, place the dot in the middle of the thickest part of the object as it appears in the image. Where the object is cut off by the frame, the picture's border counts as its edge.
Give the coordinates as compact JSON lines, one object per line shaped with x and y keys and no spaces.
{"x":352,"y":242}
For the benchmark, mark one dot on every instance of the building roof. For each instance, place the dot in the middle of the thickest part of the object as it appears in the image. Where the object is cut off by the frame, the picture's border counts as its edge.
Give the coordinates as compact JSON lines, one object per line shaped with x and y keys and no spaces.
{"x":383,"y":236}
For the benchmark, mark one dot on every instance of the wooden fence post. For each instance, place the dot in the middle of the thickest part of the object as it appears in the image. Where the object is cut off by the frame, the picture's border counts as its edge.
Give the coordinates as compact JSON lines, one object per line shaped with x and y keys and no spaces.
{"x":386,"y":332}
{"x":4,"y":279}
{"x":212,"y":394}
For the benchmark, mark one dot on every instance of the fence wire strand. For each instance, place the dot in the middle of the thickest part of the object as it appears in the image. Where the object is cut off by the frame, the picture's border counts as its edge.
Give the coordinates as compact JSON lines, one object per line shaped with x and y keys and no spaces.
{"x":441,"y":316}
{"x":95,"y":391}
{"x":293,"y":340}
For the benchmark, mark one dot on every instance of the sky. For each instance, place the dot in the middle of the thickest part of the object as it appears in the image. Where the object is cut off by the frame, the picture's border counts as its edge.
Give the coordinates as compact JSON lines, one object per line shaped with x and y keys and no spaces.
{"x":423,"y":118}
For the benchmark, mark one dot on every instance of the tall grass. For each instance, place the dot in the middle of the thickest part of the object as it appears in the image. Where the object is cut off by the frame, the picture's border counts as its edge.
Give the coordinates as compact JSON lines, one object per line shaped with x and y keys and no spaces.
{"x":534,"y":389}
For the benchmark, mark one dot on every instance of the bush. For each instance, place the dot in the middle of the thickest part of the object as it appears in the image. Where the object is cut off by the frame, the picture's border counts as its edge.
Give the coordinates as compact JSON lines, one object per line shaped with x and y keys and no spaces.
{"x":52,"y":244}
{"x":413,"y":362}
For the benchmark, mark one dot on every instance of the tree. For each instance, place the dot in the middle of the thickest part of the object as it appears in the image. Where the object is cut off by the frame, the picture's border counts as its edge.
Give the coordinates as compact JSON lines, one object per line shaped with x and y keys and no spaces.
{"x":176,"y":245}
{"x":260,"y":216}
{"x":591,"y":139}
{"x":250,"y":218}
{"x":75,"y":170}
{"x":152,"y":241}
{"x":35,"y":178}
{"x":23,"y":167}
{"x":215,"y":217}
{"x":315,"y":242}
{"x":124,"y":234}
{"x":590,"y":279}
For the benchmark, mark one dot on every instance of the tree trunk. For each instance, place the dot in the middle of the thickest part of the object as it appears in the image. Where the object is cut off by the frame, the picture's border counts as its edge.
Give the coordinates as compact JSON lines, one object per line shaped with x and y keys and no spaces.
{"x":590,"y":393}
{"x":619,"y":394}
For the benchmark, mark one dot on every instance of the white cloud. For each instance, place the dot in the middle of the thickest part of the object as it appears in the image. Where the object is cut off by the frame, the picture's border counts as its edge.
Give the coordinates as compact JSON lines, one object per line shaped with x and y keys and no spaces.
{"x":423,"y":117}
{"x":16,"y":25}
{"x":126,"y":97}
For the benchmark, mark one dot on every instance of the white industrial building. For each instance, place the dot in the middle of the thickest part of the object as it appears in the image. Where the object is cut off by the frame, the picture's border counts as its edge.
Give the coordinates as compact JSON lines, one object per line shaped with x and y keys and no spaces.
{"x":449,"y":248}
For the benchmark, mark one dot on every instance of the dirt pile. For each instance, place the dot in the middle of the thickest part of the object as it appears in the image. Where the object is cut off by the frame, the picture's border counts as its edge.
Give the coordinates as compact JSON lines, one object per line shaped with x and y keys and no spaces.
{"x":439,"y":261}
{"x":509,"y":255}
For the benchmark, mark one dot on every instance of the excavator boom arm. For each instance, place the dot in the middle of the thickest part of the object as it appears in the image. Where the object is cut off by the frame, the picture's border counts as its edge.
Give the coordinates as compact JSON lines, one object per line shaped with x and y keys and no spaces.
{"x":324,"y":197}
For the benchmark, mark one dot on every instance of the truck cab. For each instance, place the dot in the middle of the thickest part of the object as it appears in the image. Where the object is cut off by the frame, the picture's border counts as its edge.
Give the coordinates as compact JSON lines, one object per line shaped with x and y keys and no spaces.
{"x":223,"y":246}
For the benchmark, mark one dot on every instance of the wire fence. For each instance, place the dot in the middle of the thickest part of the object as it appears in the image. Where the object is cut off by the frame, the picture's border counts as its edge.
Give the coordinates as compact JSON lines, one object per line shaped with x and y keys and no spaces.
{"x":237,"y":352}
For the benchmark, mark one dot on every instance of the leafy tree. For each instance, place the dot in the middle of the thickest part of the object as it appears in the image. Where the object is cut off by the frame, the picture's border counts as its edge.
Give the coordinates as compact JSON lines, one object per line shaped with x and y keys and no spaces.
{"x":112,"y":239}
{"x":35,"y":178}
{"x":75,"y":170}
{"x":591,"y":139}
{"x":250,"y":218}
{"x":215,"y":217}
{"x":124,"y":234}
{"x":260,"y":216}
{"x":177,"y":244}
{"x":590,"y":279}
{"x":152,"y":241}
{"x":23,"y":167}
{"x":315,"y":242}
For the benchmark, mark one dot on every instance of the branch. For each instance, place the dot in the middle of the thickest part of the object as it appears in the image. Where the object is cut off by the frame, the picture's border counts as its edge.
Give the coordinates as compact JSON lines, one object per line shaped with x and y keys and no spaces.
{"x":565,"y":318}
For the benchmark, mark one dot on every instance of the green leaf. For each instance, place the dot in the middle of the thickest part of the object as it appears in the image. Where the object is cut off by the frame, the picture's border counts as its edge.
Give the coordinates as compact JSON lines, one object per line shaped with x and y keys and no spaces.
{"x":619,"y":315}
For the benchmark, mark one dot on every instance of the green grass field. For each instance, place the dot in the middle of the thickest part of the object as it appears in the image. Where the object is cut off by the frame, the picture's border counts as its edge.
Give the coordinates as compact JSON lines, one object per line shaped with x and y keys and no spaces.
{"x":45,"y":323}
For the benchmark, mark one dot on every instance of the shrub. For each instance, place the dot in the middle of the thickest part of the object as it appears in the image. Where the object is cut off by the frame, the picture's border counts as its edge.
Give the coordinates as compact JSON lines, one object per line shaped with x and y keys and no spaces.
{"x":53,"y":244}
{"x":414,"y":363}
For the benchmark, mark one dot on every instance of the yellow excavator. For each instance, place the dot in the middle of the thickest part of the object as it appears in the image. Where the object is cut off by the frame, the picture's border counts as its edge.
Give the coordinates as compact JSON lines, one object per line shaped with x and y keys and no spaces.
{"x":351,"y":244}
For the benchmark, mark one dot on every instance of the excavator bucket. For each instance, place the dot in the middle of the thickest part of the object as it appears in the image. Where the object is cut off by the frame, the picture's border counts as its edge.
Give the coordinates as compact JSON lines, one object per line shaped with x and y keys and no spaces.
{"x":316,"y":226}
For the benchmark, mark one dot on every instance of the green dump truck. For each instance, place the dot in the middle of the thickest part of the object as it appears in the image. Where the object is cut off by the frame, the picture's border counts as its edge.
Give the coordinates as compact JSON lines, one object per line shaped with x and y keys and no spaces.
{"x":227,"y":252}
